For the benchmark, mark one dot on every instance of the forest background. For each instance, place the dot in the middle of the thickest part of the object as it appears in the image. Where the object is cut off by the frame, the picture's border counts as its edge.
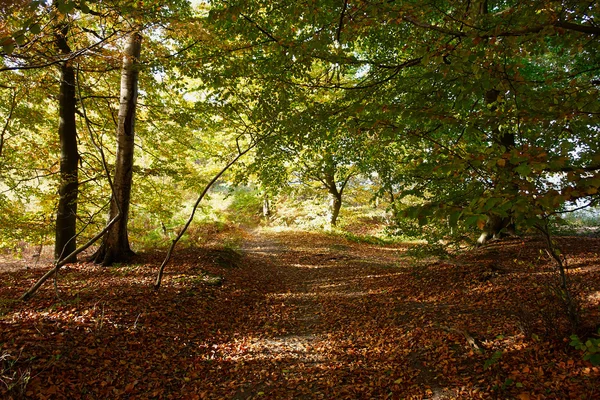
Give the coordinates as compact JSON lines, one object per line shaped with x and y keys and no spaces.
{"x":438,"y":121}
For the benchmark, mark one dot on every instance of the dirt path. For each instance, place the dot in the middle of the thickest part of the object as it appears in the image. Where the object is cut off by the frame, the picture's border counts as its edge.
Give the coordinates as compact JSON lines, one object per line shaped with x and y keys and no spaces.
{"x":324,"y":338}
{"x":298,"y":315}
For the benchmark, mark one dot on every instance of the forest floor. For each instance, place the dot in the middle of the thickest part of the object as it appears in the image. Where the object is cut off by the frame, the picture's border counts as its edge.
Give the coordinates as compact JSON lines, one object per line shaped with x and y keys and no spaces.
{"x":299,"y":315}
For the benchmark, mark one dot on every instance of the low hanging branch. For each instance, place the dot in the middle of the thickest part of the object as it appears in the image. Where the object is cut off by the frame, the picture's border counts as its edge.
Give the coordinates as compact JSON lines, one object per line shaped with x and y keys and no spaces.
{"x":59,"y":263}
{"x":63,"y":260}
{"x":189,"y":221}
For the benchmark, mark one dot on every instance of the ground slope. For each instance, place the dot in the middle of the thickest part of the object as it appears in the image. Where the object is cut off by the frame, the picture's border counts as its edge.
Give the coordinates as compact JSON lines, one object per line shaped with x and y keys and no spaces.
{"x":297,"y":315}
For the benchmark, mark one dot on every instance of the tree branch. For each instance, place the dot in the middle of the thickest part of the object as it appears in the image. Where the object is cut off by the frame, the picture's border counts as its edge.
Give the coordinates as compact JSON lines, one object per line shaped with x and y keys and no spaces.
{"x":193,"y":213}
{"x":341,"y":24}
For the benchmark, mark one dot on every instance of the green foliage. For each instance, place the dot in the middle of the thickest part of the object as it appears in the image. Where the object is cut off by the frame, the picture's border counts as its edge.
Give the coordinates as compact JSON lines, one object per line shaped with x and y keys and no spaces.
{"x":448,"y":114}
{"x":494,"y":359}
{"x":581,"y":223}
{"x":245,"y":205}
{"x":590,"y":348}
{"x":428,"y":250}
{"x":13,"y":375}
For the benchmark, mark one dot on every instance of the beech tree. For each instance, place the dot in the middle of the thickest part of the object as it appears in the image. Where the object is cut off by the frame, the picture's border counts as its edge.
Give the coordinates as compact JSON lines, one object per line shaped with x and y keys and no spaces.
{"x":115,"y":244}
{"x":66,"y":214}
{"x":489,"y":108}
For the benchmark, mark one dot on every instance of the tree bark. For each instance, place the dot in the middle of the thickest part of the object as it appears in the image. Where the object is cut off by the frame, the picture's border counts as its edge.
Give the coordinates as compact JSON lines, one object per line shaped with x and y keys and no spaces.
{"x":66,"y":214}
{"x":266,"y":207}
{"x":115,"y":245}
{"x":336,"y":195}
{"x":336,"y":205}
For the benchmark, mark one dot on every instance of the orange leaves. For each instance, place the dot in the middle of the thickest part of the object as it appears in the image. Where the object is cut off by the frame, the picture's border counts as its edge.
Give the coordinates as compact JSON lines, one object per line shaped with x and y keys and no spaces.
{"x":362,"y":323}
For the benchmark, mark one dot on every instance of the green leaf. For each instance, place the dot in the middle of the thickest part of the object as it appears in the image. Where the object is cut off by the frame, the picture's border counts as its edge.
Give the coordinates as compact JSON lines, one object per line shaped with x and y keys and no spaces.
{"x":473,"y":220}
{"x":84,"y":8}
{"x":8,"y":48}
{"x":65,"y":7}
{"x":20,"y":39}
{"x":594,"y":359}
{"x":35,"y":29}
{"x":454,"y":217}
{"x":523,"y":170}
{"x":490,"y":203}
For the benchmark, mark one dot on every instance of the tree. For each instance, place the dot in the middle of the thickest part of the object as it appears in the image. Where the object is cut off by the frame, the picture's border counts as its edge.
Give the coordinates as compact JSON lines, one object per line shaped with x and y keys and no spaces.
{"x":66,"y":214}
{"x":115,"y":244}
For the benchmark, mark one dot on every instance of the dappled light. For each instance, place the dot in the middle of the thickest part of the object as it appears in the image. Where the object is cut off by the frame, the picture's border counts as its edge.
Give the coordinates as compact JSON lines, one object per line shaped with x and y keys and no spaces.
{"x":247,"y":200}
{"x":331,"y":327}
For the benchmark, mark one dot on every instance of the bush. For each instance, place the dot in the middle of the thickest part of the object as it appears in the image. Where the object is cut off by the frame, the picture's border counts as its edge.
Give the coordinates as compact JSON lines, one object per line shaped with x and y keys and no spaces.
{"x":246,"y":206}
{"x":590,"y":348}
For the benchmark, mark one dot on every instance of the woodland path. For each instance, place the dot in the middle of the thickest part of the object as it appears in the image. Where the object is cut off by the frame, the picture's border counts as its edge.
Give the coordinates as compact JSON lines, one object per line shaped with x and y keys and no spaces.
{"x":297,"y":315}
{"x":327,"y":339}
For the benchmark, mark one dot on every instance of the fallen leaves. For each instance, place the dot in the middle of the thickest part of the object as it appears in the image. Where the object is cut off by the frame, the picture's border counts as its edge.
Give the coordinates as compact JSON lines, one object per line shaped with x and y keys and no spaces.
{"x":359,"y":323}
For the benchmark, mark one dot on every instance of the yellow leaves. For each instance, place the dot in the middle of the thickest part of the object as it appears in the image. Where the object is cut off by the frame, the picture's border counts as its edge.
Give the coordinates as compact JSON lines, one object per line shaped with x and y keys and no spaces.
{"x":524,"y":396}
{"x":501,"y":162}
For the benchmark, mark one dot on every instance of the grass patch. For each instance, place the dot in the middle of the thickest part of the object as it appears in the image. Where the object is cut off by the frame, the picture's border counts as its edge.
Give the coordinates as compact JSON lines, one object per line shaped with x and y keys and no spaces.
{"x":367,"y":239}
{"x":203,"y":277}
{"x":427,"y":251}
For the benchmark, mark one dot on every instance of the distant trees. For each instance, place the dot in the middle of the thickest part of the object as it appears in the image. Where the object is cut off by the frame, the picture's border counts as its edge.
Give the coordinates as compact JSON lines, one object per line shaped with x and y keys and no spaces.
{"x":471,"y":114}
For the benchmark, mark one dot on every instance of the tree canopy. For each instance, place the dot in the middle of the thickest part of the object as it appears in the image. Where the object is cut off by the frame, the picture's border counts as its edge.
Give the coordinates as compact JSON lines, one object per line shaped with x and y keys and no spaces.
{"x":464,"y":111}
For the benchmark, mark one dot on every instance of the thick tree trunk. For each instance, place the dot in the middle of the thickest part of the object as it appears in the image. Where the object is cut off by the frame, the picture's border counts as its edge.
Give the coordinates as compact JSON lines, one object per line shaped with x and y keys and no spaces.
{"x":496,"y":226}
{"x":66,"y":215}
{"x":115,"y":245}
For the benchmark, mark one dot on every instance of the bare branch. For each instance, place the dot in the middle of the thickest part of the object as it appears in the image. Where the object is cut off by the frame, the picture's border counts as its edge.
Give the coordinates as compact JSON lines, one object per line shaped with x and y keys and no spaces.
{"x":193,"y":213}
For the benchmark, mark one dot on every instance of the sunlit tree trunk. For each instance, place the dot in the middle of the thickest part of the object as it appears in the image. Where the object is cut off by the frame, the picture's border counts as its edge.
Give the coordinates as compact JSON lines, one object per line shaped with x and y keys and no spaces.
{"x":66,"y":215}
{"x":335,"y":193}
{"x":336,"y":205}
{"x":115,"y":245}
{"x":266,"y":207}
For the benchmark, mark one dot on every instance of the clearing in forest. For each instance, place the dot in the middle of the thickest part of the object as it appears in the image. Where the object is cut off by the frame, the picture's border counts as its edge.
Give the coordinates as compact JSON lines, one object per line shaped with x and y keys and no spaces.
{"x":299,"y":315}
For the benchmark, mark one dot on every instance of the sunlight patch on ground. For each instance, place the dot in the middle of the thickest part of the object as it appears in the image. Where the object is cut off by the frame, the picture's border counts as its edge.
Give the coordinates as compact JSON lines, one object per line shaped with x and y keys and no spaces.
{"x":310,"y":266}
{"x":349,"y":294}
{"x":292,"y":295}
{"x":304,"y":348}
{"x":383,"y":275}
{"x":594,"y":297}
{"x":332,"y":285}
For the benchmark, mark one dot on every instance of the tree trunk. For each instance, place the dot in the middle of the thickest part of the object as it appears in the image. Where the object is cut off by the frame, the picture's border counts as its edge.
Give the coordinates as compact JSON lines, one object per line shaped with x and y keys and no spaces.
{"x":66,"y":214}
{"x":115,"y":245}
{"x":336,"y":205}
{"x":332,"y":188}
{"x":496,"y":227}
{"x":266,"y":207}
